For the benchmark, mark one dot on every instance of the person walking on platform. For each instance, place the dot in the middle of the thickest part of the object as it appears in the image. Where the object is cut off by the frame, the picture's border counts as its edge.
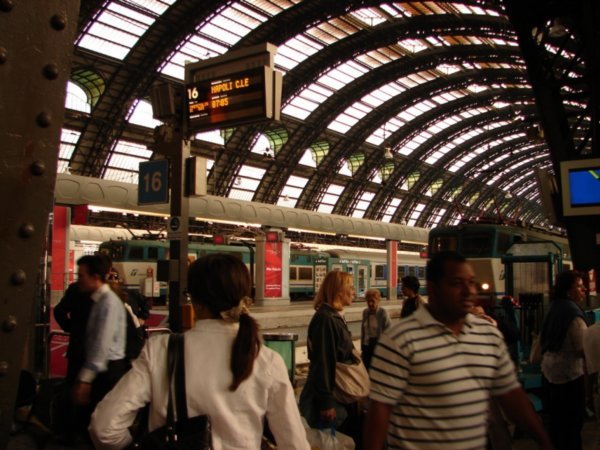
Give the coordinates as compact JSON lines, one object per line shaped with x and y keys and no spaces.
{"x":375,"y":320}
{"x":229,"y":375}
{"x":412,"y":299}
{"x":432,"y":374}
{"x":105,"y":360}
{"x":329,"y":341}
{"x":72,"y":314}
{"x":563,"y":365}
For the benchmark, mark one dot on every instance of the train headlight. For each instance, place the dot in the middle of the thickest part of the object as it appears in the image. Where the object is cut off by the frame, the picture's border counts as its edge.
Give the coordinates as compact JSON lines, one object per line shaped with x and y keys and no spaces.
{"x":485,"y":286}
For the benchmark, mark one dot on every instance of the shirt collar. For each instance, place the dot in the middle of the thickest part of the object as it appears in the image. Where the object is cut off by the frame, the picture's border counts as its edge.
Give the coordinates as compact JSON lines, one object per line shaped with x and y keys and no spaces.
{"x":424,"y":317}
{"x":100,"y":292}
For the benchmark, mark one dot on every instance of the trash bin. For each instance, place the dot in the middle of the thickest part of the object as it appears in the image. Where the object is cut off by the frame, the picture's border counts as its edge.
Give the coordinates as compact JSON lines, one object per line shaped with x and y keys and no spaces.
{"x":285,"y":345}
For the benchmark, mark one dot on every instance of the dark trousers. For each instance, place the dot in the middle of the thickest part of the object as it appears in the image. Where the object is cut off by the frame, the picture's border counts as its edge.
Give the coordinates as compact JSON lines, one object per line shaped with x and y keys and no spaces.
{"x":105,"y":381}
{"x":367,"y":352}
{"x":564,"y":405}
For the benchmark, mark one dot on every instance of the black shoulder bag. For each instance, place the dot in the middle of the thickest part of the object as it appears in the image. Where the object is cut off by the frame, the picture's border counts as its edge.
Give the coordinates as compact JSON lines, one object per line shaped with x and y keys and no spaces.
{"x":185,"y":433}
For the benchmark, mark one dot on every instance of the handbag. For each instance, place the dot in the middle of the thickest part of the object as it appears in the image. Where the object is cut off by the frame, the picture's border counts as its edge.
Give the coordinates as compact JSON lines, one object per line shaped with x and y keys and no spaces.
{"x":352,"y":381}
{"x":183,"y":433}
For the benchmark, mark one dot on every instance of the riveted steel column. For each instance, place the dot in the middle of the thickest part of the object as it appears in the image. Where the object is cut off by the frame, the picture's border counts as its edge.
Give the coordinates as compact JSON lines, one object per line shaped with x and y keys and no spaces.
{"x":36,"y":42}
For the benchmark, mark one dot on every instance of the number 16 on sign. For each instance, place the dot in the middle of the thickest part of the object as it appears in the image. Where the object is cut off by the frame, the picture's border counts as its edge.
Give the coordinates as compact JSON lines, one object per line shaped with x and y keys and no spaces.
{"x":153,"y":183}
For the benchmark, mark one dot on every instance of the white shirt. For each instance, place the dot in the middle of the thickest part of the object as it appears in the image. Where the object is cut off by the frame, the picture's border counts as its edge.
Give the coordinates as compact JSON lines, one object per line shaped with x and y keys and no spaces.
{"x":591,"y":348}
{"x":237,"y":417}
{"x":105,"y":334}
{"x":566,"y":364}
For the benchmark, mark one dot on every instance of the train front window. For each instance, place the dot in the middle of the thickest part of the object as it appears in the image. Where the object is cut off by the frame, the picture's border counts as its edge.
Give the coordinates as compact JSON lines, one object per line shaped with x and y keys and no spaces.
{"x":305,"y":273}
{"x":114,"y":251}
{"x":476,"y":245}
{"x":505,"y":240}
{"x":293,"y":274}
{"x":152,"y":252}
{"x":442,"y":243}
{"x":136,"y":253}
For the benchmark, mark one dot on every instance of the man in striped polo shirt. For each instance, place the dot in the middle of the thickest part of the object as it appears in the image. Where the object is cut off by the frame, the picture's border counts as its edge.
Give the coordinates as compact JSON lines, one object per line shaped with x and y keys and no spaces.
{"x":433,"y":373}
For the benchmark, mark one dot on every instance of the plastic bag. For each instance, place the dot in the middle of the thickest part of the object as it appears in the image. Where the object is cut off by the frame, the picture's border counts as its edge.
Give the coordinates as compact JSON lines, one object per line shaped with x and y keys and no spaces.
{"x":327,"y":439}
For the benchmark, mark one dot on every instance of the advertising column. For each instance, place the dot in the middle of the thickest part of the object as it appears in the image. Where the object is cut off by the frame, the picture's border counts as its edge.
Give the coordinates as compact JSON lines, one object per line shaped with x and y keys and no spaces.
{"x":392,"y":263}
{"x":272,"y":269}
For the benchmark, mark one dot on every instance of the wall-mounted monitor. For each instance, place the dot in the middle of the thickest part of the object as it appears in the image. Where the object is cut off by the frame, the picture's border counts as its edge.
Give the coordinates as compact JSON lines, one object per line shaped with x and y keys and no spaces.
{"x":580,"y":182}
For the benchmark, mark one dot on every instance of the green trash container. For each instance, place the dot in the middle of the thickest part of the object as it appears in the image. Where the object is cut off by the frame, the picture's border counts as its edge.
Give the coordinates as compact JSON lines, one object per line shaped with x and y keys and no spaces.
{"x":285,"y":345}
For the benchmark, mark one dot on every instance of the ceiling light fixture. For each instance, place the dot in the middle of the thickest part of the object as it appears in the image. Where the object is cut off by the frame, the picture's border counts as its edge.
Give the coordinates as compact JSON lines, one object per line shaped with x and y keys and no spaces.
{"x":557,"y":29}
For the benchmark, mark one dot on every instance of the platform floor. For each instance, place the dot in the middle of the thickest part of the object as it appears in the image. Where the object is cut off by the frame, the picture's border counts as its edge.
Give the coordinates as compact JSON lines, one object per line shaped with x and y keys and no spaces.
{"x":43,"y":441}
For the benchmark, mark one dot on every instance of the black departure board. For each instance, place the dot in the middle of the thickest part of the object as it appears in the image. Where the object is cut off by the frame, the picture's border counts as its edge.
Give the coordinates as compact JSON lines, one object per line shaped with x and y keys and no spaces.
{"x":228,"y":100}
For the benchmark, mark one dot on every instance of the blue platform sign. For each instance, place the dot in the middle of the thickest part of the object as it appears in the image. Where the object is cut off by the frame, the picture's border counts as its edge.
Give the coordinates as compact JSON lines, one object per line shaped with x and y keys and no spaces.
{"x":153,"y":182}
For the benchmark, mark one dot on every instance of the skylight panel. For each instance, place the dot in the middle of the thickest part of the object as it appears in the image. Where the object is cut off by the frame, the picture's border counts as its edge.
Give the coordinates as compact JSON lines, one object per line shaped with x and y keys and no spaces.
{"x":332,"y":31}
{"x":249,"y":16}
{"x":122,"y":176}
{"x":116,"y":30}
{"x":68,"y":139}
{"x":302,"y":105}
{"x":375,"y":58}
{"x":408,"y":148}
{"x":76,"y":98}
{"x":412,"y":45}
{"x":156,"y":6}
{"x":342,"y":123}
{"x":133,"y":149}
{"x":449,"y":69}
{"x":125,"y":16}
{"x":100,"y":45}
{"x":415,"y":214}
{"x":435,"y":156}
{"x":330,"y":199}
{"x":252,"y":172}
{"x":213,"y":136}
{"x":123,"y":164}
{"x":369,"y":16}
{"x":296,"y":108}
{"x":344,"y":169}
{"x":295,"y":51}
{"x":435,"y":41}
{"x":331,"y":82}
{"x":225,"y":35}
{"x":246,"y":183}
{"x":391,"y":209}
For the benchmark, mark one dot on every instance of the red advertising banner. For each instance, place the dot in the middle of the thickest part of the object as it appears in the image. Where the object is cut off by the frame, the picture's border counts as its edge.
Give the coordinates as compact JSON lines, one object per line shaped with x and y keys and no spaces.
{"x":393,"y":266}
{"x":59,"y":248}
{"x":273,"y":269}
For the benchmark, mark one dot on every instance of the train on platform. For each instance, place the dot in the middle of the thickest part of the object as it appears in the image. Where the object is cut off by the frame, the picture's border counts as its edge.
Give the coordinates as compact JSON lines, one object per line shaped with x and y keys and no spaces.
{"x":492,"y":247}
{"x":136,"y":260}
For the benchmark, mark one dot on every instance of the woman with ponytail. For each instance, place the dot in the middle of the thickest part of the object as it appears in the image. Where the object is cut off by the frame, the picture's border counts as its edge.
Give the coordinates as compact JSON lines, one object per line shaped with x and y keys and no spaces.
{"x":230,"y":375}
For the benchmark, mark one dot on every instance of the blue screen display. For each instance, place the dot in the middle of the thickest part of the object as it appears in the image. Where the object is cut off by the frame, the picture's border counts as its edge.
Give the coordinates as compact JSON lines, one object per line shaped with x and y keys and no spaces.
{"x":585,"y":186}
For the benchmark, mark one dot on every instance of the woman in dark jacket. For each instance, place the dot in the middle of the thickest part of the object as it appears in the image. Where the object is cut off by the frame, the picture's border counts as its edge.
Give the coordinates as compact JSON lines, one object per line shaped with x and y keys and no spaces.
{"x":562,"y":365}
{"x":329,"y":341}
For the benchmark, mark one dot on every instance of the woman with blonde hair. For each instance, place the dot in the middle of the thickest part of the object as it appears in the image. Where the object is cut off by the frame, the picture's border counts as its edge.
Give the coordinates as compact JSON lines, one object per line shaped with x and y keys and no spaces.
{"x":329,"y":341}
{"x":229,"y":375}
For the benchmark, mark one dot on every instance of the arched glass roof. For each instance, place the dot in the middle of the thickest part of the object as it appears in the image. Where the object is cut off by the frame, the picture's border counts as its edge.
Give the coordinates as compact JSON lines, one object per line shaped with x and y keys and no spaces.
{"x":393,"y":111}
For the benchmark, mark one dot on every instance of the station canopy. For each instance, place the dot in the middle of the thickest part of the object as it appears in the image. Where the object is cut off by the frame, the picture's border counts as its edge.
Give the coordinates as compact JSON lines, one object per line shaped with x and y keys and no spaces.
{"x":417,"y":113}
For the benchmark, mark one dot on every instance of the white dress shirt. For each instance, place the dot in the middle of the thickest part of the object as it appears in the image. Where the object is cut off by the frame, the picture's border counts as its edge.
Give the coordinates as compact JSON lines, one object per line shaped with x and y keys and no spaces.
{"x":591,"y":347}
{"x":105,"y":333}
{"x":237,"y":417}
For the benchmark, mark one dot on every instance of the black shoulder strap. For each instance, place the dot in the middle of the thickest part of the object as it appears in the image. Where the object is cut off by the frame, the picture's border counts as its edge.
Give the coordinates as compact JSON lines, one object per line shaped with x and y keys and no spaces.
{"x":180,"y":393}
{"x":172,"y":357}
